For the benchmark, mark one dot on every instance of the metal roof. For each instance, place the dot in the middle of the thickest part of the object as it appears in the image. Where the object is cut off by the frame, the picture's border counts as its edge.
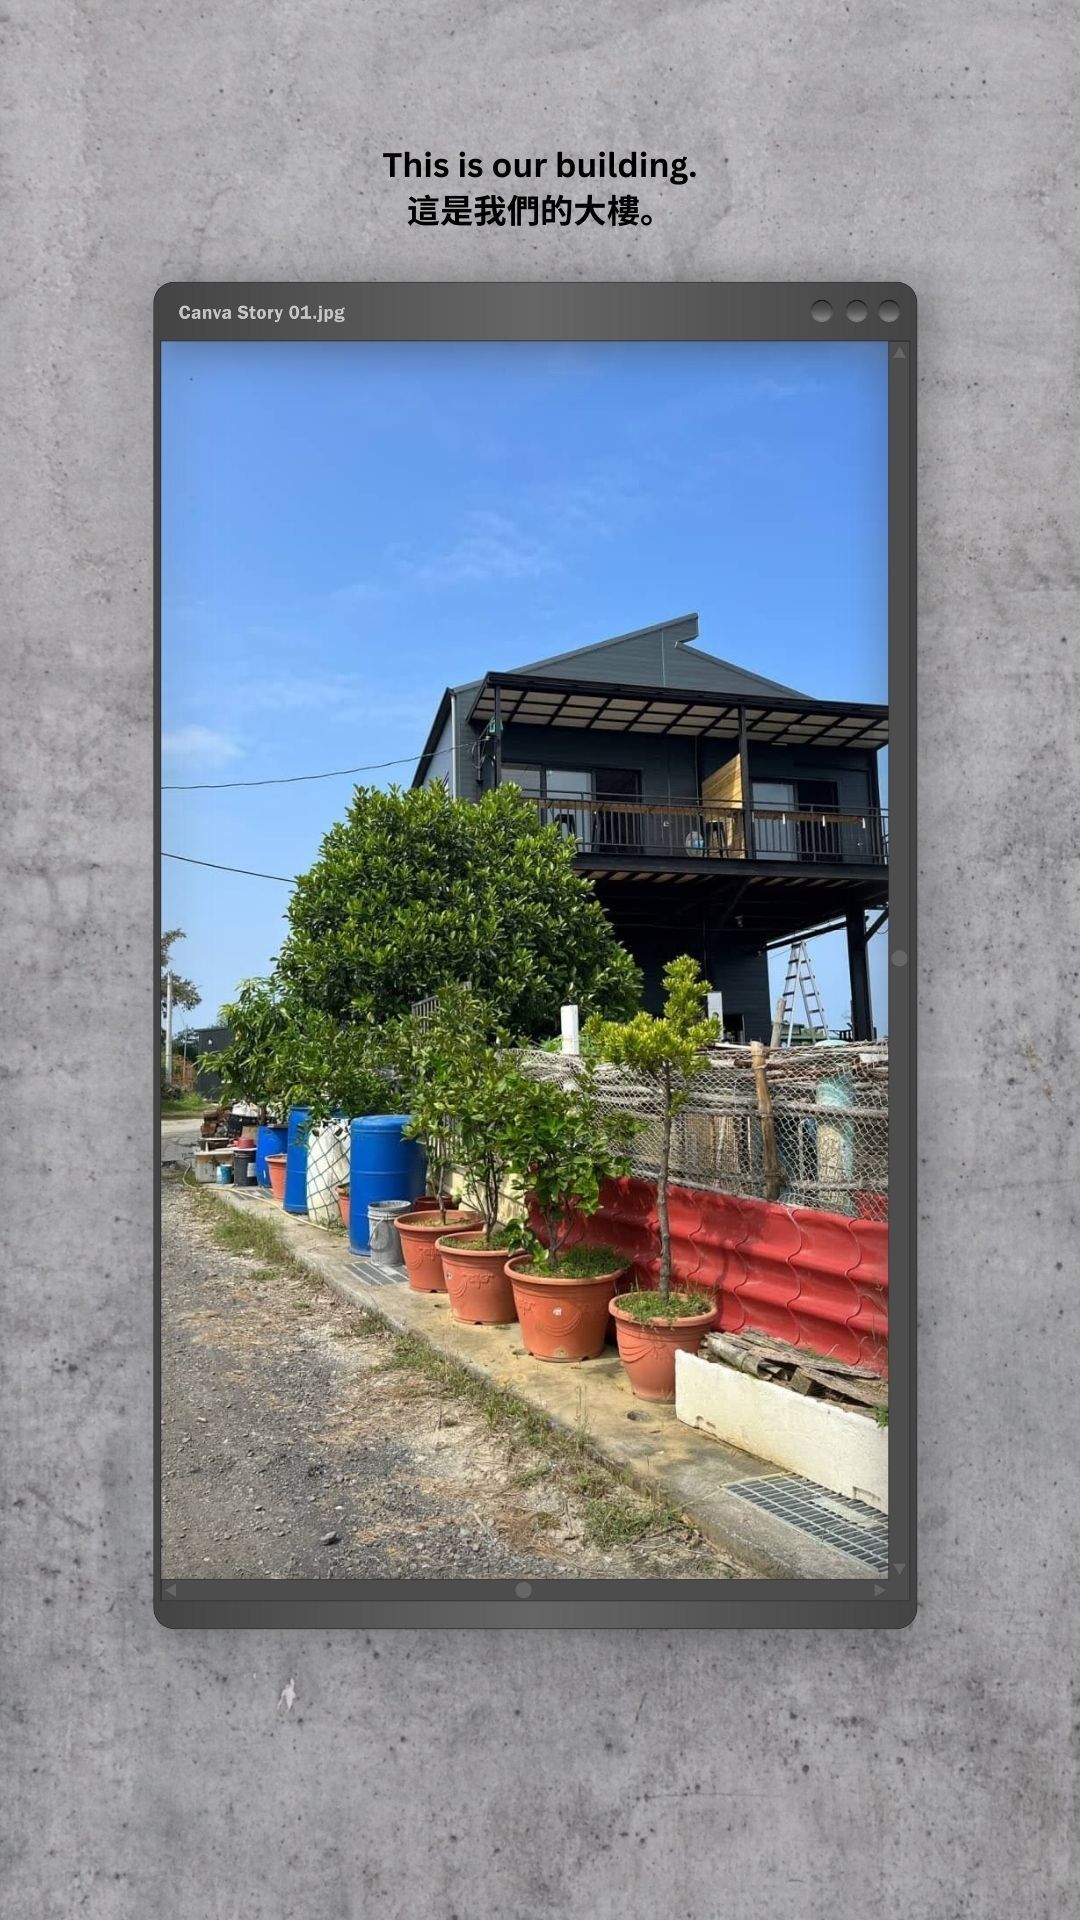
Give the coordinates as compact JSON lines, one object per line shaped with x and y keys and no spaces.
{"x":542,"y":700}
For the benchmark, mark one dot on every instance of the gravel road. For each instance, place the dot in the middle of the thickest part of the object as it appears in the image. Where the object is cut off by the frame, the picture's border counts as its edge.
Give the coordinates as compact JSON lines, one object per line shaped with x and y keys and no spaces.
{"x":290,"y":1449}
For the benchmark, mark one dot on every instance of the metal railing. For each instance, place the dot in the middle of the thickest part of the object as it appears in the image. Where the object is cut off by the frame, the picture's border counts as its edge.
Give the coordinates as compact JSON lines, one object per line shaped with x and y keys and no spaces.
{"x":698,"y":830}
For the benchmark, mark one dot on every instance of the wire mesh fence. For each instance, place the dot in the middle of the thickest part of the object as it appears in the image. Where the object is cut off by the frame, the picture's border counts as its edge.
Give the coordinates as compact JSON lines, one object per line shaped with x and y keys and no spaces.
{"x":811,"y":1130}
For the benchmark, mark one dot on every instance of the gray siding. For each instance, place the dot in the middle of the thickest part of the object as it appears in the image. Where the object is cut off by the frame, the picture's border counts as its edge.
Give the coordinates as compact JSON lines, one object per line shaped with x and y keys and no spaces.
{"x":658,"y":656}
{"x":851,"y":769}
{"x":666,"y":766}
{"x":442,"y":760}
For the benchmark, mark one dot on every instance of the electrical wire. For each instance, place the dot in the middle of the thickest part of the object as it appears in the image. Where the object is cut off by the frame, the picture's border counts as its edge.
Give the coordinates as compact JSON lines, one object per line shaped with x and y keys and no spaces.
{"x":218,"y":868}
{"x":293,"y":779}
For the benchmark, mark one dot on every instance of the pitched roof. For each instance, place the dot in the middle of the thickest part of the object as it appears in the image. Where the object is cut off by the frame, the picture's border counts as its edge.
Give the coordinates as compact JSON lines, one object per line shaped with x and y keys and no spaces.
{"x":658,"y":656}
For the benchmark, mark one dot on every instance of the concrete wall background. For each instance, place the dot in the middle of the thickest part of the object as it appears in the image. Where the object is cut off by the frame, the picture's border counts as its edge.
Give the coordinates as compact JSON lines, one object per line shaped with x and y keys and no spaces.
{"x":928,"y":1773}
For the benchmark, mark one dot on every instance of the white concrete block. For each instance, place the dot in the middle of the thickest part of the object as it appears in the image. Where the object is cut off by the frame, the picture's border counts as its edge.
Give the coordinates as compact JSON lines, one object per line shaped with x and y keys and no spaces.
{"x":846,"y":1452}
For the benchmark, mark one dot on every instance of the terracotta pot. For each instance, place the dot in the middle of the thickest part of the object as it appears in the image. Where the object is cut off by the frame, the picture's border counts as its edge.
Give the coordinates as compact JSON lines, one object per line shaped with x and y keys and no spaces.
{"x":419,"y":1235}
{"x":343,"y":1205}
{"x":476,"y":1280}
{"x":275,"y":1167}
{"x":647,"y":1348}
{"x":562,"y":1319}
{"x":429,"y":1204}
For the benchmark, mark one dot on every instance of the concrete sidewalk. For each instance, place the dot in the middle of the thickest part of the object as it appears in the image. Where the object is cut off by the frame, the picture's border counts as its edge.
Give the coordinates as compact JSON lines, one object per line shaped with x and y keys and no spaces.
{"x":642,"y":1442}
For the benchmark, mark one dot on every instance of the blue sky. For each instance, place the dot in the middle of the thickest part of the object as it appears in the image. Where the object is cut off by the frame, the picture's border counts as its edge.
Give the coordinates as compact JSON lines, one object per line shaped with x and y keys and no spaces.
{"x":348,"y":528}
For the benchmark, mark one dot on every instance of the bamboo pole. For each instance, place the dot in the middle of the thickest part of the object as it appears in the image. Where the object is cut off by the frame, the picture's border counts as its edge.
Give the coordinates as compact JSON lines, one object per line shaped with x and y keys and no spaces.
{"x":774,"y":1178}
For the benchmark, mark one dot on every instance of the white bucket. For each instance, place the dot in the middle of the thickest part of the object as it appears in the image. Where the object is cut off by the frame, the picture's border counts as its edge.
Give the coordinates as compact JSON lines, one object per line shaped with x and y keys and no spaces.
{"x":327,"y":1169}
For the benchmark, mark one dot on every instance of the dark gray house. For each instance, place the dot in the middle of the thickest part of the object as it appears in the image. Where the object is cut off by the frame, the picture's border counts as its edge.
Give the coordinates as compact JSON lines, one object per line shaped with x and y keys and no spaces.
{"x":716,"y":813}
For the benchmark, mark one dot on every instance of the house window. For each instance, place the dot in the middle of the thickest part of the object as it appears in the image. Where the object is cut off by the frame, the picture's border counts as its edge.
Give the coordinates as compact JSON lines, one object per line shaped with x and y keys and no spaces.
{"x":594,"y":804}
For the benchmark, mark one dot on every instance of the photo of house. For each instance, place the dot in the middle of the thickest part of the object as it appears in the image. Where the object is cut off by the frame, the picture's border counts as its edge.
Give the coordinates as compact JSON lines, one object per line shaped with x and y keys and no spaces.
{"x":525,"y":1207}
{"x":714,"y":811}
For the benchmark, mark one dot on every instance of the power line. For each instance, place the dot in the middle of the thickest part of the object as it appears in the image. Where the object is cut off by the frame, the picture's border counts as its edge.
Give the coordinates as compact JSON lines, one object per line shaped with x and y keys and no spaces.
{"x":218,"y":868}
{"x":292,"y":779}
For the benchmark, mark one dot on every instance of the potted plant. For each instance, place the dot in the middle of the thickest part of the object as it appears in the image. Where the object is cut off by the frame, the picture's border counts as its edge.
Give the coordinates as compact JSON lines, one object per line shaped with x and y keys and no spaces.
{"x":430,"y":1060}
{"x":476,"y":1090}
{"x":652,"y":1324}
{"x":563,"y":1149}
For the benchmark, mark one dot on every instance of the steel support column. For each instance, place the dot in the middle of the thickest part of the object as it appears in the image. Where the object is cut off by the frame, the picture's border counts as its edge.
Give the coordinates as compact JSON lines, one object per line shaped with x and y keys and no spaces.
{"x":862,"y":1015}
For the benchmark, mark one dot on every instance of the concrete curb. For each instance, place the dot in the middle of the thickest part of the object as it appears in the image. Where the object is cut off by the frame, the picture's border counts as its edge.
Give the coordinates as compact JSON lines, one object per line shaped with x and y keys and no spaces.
{"x":645,"y":1445}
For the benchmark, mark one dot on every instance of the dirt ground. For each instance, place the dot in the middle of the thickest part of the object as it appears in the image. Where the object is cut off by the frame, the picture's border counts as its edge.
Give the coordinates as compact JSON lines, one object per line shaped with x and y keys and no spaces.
{"x":298,"y":1442}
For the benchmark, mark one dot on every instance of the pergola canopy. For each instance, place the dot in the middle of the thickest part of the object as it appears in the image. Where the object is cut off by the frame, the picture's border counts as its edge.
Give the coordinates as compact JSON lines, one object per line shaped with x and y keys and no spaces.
{"x":589,"y":705}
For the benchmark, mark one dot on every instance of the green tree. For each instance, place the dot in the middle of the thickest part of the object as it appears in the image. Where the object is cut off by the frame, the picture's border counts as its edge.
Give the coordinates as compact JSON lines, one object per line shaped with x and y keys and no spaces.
{"x":184,"y":992}
{"x":668,"y":1051}
{"x":563,"y":1146}
{"x":283,"y":1054}
{"x":466,"y":1100}
{"x":414,"y":891}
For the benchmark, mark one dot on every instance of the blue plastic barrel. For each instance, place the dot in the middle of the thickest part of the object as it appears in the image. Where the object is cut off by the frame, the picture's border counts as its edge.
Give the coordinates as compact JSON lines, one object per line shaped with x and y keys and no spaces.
{"x":268,"y":1140}
{"x":296,"y":1147}
{"x":383,"y":1165}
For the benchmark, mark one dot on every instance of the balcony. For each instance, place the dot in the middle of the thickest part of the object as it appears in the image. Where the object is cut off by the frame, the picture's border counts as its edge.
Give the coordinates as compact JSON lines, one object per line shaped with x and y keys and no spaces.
{"x":686,"y":831}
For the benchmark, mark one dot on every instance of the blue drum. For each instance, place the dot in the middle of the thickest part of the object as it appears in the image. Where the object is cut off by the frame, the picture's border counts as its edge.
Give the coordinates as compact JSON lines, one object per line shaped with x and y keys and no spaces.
{"x":383,"y":1165}
{"x":268,"y":1140}
{"x":296,"y":1148}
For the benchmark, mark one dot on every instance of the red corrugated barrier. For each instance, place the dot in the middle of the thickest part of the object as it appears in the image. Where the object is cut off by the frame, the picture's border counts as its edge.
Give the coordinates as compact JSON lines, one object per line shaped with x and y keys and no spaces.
{"x":819,"y":1280}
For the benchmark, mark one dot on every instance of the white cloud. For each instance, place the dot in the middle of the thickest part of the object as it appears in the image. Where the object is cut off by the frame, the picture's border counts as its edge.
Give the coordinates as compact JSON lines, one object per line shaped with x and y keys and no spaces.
{"x":202,"y":744}
{"x":490,"y":547}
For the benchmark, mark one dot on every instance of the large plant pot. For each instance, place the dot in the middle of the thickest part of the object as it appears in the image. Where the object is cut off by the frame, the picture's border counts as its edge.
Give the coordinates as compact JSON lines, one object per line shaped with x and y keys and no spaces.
{"x":562,"y":1319}
{"x":275,"y":1167}
{"x":343,"y":1206}
{"x":428,"y":1203}
{"x":420,"y":1234}
{"x":481,"y":1293}
{"x":647,"y":1348}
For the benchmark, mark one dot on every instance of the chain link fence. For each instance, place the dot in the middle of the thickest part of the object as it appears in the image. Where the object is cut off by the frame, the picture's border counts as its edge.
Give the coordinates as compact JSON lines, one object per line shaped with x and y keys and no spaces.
{"x":810,"y":1129}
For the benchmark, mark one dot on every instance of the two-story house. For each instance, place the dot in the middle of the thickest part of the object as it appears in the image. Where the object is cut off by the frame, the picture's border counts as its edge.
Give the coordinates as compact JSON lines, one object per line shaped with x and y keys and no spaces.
{"x":717,"y":813}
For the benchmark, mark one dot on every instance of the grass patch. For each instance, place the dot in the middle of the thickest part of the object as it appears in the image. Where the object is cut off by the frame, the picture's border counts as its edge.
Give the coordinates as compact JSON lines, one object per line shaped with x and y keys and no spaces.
{"x":612,"y":1517}
{"x":531,"y":1476}
{"x":616,"y":1522}
{"x":578,"y":1263}
{"x":649,"y":1305}
{"x":501,"y":1240}
{"x":254,"y":1236}
{"x":184,"y":1104}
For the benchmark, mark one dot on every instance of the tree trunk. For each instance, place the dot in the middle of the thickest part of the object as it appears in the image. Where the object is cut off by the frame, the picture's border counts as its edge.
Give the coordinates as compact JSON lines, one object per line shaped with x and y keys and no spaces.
{"x":662,"y":1193}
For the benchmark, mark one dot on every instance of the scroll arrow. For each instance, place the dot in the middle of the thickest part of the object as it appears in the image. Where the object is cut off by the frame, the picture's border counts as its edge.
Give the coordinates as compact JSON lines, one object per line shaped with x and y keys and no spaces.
{"x":899,"y":354}
{"x":899,"y":1565}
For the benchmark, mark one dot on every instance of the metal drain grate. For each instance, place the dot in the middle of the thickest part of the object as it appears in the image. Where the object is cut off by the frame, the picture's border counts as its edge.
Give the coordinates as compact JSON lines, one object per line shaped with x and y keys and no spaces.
{"x":848,"y":1525}
{"x":377,"y":1275}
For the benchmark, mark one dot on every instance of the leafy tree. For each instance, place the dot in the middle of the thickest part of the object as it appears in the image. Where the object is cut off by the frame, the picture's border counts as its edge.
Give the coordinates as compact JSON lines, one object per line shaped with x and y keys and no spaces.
{"x":563,"y":1147}
{"x":467,"y":1099}
{"x":415,"y":891}
{"x":283,"y":1054}
{"x":668,"y":1051}
{"x":184,"y":992}
{"x":427,"y":1056}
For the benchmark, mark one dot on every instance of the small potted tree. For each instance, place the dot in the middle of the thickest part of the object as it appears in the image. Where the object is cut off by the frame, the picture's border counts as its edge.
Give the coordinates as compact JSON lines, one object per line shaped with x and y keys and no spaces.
{"x":563,"y":1149}
{"x":485,"y":1092}
{"x":434,"y":1064}
{"x":651,"y":1325}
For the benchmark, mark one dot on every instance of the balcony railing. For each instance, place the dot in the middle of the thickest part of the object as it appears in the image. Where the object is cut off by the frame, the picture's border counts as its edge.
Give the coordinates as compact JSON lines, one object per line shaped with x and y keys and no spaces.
{"x":684,"y":829}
